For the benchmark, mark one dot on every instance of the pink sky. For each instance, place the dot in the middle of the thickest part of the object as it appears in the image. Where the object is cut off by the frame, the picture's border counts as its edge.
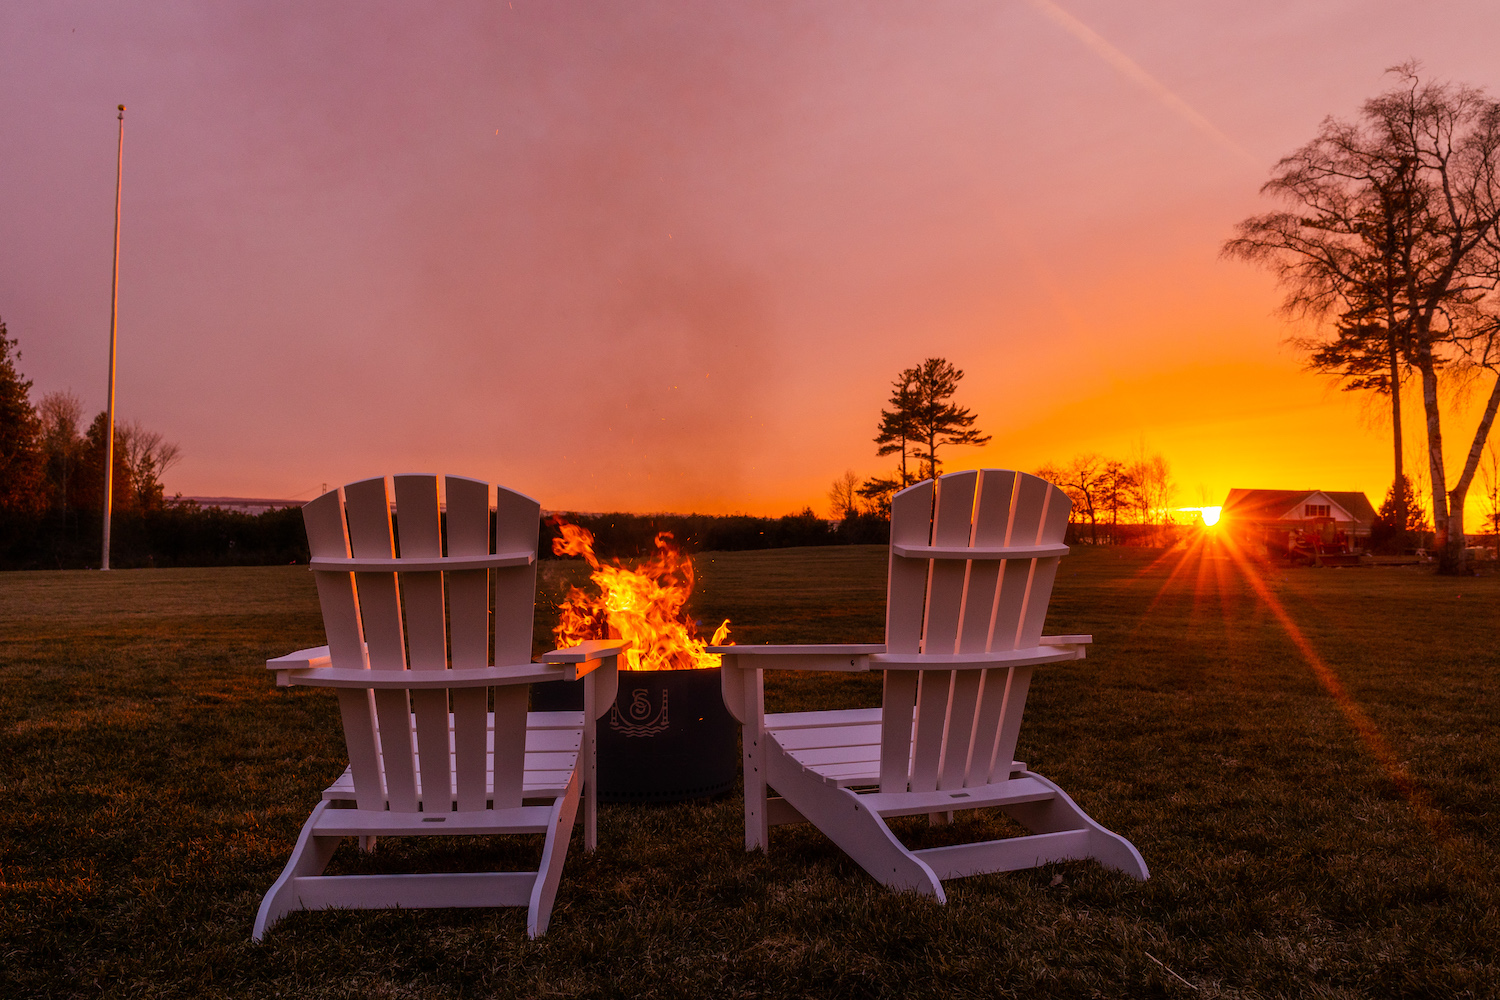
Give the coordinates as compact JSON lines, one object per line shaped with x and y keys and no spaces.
{"x":669,"y":256}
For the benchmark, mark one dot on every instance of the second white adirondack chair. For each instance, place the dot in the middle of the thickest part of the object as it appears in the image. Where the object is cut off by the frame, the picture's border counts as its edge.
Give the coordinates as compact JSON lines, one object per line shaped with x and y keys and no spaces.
{"x":972,"y":562}
{"x":439,"y":738}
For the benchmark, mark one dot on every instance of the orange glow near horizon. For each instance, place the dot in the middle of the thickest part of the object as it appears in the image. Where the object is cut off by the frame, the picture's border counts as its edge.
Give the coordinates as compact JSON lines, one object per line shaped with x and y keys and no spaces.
{"x":647,"y":259}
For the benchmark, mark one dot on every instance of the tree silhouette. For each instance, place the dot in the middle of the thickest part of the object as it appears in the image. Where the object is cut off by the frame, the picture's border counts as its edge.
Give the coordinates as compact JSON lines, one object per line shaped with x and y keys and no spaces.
{"x":898,"y":425}
{"x":20,"y":452}
{"x":923,"y":418}
{"x":843,"y":495}
{"x":1392,"y":239}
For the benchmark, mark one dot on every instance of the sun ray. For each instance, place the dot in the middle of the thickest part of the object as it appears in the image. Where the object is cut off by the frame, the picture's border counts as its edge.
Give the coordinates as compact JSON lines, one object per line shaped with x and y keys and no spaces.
{"x":1364,"y":727}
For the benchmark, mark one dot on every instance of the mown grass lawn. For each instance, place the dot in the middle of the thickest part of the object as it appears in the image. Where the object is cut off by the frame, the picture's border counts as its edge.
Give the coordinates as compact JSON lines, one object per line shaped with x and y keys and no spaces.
{"x":1305,"y":758}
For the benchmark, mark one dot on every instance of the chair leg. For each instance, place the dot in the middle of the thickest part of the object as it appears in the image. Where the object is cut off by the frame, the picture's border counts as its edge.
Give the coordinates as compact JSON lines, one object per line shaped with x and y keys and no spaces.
{"x":554,"y":852}
{"x":309,"y":857}
{"x":1061,"y":813}
{"x":757,"y":822}
{"x":850,"y":824}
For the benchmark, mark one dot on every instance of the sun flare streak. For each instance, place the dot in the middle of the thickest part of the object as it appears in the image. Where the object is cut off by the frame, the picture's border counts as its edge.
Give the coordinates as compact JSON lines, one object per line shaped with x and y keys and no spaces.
{"x":1420,"y":801}
{"x":1132,"y":71}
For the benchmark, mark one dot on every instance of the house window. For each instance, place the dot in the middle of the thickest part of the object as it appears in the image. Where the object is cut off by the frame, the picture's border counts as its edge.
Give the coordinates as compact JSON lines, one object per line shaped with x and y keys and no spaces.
{"x":1312,"y":510}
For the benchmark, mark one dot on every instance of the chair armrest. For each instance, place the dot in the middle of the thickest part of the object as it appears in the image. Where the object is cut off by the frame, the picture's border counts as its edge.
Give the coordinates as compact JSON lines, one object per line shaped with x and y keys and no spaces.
{"x":581,"y":659}
{"x":742,"y":690}
{"x":420,"y":680}
{"x":1031,"y":657}
{"x":302,"y":659}
{"x":848,"y":657}
{"x":1065,"y":640}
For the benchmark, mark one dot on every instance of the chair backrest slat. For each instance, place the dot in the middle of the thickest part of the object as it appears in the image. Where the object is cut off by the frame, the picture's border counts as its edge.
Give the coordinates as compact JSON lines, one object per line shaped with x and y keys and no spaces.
{"x":991,"y":525}
{"x":911,"y":524}
{"x":468,"y":590}
{"x":420,"y":535}
{"x":368,"y":509}
{"x":952,"y":524}
{"x":469,"y":534}
{"x":369,"y":512}
{"x":328,"y":536}
{"x":517,"y":520}
{"x":1053,"y":522}
{"x":961,"y":728}
{"x":967,"y":721}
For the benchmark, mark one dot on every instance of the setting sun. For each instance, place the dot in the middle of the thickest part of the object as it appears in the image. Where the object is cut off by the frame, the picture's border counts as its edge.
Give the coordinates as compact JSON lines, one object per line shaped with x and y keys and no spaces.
{"x":1210,"y":515}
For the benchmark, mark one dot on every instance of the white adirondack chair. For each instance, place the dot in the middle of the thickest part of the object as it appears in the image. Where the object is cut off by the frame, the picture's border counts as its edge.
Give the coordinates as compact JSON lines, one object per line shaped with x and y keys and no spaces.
{"x":971,"y":568}
{"x":439,"y":738}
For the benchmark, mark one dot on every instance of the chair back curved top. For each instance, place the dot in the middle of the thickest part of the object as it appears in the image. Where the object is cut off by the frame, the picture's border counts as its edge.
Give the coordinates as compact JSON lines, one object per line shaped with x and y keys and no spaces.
{"x":973,"y":558}
{"x":413,"y":594}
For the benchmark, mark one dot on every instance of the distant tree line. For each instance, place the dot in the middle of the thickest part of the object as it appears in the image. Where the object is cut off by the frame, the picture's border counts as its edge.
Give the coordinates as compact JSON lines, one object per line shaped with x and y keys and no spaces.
{"x":52,"y":493}
{"x":1117,"y":502}
{"x":624,"y":536}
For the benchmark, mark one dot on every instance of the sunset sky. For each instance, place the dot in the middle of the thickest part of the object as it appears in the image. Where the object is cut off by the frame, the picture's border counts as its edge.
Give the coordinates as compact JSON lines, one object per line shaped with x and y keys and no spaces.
{"x":669,"y":256}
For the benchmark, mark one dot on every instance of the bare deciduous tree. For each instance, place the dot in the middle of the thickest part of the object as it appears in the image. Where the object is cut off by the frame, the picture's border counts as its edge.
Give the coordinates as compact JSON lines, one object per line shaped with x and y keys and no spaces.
{"x":1155,"y":491}
{"x":1082,"y":480}
{"x":843,"y":496}
{"x":1391,"y":239}
{"x":149,"y":456}
{"x":60,"y":412}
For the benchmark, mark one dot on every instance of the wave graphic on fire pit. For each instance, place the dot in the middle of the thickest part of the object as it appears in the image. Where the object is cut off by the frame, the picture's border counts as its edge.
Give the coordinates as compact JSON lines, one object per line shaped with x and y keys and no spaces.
{"x":641,"y":721}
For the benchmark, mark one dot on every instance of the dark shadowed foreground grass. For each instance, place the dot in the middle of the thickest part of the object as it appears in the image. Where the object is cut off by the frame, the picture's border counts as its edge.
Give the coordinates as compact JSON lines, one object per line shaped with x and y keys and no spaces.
{"x":1306,"y":759}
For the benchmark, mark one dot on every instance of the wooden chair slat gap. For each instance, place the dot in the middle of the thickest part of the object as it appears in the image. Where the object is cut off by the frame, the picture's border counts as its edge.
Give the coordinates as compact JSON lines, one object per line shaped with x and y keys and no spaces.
{"x":933,"y":696}
{"x":357,"y":711}
{"x":1010,"y":723}
{"x":959,"y":739}
{"x":987,"y":727}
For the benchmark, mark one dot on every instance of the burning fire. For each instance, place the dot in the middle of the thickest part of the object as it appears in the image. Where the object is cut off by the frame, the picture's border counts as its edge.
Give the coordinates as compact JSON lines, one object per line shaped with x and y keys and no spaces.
{"x":644,"y":605}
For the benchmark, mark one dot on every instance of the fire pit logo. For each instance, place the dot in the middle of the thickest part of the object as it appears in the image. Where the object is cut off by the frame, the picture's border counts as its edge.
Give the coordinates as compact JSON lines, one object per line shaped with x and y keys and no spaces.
{"x":641,"y":721}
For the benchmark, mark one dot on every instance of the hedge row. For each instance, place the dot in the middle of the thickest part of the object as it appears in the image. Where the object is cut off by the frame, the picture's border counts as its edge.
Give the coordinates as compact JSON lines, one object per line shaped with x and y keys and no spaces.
{"x":188,"y":535}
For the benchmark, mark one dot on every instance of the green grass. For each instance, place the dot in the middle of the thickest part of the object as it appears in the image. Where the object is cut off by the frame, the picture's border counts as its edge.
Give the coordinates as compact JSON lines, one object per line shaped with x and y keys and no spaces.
{"x":1324,"y":834}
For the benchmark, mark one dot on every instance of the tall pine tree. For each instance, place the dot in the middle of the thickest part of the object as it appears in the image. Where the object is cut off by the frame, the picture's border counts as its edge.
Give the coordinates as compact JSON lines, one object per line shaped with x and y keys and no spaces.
{"x":20,"y":454}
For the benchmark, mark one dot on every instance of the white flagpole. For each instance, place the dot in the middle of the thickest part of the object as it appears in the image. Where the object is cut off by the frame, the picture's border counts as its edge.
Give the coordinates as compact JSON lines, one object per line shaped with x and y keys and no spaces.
{"x":114,"y":312}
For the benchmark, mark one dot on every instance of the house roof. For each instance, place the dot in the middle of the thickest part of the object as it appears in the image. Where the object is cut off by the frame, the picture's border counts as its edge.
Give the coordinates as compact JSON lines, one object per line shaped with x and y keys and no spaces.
{"x":1275,"y":505}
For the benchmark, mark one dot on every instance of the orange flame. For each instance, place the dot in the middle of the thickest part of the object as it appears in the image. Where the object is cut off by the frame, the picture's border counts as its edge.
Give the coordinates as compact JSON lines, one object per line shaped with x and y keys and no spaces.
{"x":644,"y":605}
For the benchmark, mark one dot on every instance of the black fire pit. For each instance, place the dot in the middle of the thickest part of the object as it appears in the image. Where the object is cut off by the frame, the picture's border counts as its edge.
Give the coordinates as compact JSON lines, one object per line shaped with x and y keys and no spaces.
{"x":668,"y":737}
